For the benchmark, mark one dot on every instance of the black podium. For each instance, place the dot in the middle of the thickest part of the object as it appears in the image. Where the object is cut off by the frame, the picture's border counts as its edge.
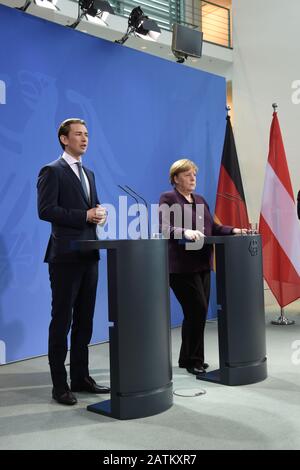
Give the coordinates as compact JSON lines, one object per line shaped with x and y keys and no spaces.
{"x":139,"y":339}
{"x":241,"y":314}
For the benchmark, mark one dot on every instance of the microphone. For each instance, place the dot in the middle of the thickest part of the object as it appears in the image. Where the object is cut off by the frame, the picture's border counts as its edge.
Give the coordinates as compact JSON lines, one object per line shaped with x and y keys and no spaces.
{"x":234,"y":198}
{"x":138,"y":204}
{"x":239,"y":199}
{"x":147,"y":207}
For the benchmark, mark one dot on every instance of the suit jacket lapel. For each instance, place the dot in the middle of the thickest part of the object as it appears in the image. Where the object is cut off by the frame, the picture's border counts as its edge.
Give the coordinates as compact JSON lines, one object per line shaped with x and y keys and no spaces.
{"x":75,"y":180}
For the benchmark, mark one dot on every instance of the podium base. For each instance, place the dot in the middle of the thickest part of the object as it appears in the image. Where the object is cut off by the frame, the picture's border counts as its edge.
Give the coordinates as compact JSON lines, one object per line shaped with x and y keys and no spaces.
{"x":102,"y":408}
{"x":135,"y":405}
{"x":241,"y":375}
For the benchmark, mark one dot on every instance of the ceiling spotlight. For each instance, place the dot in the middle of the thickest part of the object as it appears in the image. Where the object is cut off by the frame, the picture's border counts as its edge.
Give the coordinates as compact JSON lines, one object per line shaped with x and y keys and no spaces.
{"x":140,"y":25}
{"x":50,"y":4}
{"x":95,"y":11}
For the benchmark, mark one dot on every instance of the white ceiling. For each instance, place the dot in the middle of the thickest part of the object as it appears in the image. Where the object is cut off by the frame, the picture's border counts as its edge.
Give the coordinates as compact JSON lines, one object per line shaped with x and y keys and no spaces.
{"x":215,"y":59}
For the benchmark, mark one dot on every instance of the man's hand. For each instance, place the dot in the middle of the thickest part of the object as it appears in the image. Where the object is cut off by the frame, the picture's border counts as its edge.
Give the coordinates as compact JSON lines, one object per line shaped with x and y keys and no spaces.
{"x":101,"y":212}
{"x":193,"y":235}
{"x":97,"y":215}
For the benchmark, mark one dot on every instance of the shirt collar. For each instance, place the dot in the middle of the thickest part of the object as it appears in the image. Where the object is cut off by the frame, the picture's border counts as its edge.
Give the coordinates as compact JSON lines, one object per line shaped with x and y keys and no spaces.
{"x":69,"y":159}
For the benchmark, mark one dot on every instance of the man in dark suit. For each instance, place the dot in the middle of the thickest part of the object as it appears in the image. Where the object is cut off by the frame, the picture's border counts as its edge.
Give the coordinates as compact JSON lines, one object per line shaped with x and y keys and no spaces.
{"x":67,"y":198}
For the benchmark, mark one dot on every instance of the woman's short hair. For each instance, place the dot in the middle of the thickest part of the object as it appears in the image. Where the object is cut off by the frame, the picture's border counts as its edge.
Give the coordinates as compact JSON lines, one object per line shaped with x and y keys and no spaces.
{"x":180,"y":166}
{"x":64,"y":128}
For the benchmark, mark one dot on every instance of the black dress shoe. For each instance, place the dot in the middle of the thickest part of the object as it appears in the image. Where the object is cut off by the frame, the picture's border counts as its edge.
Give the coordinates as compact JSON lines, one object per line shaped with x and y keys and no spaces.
{"x":65,"y":398}
{"x":182,"y":366}
{"x":89,"y":385}
{"x":196,"y":370}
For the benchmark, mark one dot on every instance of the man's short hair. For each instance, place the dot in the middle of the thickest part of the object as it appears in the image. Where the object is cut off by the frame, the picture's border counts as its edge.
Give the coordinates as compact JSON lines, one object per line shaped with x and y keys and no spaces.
{"x":65,"y":126}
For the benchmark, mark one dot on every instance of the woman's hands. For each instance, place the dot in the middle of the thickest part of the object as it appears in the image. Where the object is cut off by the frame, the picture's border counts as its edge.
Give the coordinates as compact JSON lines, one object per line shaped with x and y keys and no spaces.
{"x":240,"y":231}
{"x":193,"y":235}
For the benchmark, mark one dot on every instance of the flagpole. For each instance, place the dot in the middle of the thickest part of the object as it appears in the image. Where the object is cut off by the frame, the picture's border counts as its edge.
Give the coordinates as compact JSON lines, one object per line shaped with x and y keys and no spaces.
{"x":282,"y":320}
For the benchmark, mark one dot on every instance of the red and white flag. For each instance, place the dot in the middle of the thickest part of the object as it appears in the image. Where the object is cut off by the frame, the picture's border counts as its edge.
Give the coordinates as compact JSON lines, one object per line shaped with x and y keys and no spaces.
{"x":279,"y":225}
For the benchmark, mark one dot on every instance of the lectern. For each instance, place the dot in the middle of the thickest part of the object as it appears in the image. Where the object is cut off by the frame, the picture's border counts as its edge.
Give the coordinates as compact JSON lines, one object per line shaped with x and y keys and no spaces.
{"x":140,"y":338}
{"x":241,"y":315}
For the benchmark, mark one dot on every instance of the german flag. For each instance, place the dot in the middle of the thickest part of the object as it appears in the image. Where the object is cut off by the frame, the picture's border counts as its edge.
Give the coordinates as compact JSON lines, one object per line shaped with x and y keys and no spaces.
{"x":231,"y":206}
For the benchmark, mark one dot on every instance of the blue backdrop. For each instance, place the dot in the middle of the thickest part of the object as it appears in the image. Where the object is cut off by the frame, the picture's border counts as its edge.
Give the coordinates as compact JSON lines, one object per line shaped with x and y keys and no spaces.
{"x":142,"y":112}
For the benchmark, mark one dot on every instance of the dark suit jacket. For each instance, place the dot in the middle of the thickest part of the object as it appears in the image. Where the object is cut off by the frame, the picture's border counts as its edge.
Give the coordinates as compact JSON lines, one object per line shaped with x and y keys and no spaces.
{"x":62,"y":202}
{"x":180,"y":260}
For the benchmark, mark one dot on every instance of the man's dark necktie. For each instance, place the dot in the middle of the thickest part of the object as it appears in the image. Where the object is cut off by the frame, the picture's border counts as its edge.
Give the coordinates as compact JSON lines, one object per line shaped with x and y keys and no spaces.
{"x":82,"y":179}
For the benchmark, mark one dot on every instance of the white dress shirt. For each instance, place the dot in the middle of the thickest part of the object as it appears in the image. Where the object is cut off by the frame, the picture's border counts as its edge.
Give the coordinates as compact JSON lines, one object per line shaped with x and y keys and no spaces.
{"x":72,"y":162}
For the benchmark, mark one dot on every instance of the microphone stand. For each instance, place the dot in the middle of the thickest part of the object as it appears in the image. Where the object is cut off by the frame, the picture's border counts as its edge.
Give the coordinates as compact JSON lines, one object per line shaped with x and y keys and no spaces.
{"x":232,"y":198}
{"x":138,"y":204}
{"x":146,"y":204}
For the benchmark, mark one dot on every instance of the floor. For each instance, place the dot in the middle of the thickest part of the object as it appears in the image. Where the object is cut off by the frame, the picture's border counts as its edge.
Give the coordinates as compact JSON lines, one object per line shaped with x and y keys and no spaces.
{"x":265,"y":415}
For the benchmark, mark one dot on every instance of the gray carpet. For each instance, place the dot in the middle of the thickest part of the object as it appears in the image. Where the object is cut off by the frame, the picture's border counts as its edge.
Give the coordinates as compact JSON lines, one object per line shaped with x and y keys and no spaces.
{"x":265,"y":415}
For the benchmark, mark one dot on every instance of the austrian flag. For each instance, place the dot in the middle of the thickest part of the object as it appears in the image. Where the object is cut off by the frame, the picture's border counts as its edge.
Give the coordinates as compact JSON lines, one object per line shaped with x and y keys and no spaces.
{"x":279,"y":225}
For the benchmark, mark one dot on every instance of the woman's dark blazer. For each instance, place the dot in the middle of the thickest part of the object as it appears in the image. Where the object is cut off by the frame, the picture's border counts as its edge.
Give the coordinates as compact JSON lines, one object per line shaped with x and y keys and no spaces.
{"x":180,"y":260}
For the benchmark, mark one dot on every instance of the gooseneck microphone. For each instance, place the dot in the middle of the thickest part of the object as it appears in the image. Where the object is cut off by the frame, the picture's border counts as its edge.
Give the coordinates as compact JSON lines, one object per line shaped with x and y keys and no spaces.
{"x":147,"y":207}
{"x":138,"y":204}
{"x":236,"y":199}
{"x":234,"y":196}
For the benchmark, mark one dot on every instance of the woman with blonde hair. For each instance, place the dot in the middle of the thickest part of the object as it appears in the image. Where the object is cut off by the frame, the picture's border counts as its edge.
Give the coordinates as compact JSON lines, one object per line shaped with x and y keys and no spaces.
{"x":189,"y":270}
